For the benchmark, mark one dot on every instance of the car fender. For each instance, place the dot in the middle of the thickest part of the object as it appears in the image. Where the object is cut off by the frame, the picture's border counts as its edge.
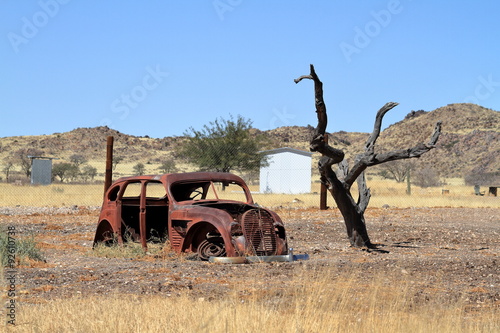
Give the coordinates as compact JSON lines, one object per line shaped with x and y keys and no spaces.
{"x":203,"y":219}
{"x":100,"y":234}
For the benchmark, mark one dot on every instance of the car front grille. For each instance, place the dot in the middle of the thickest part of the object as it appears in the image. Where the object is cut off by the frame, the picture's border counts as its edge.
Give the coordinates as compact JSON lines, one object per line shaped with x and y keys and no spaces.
{"x":258,"y":229}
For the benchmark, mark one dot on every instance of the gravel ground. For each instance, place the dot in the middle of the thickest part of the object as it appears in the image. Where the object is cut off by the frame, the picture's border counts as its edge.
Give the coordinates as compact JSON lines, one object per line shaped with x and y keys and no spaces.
{"x":447,"y":251}
{"x":28,"y":211}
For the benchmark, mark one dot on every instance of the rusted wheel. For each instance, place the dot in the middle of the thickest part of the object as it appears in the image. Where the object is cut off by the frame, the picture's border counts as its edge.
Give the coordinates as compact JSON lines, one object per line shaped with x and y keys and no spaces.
{"x":208,"y":249}
{"x":104,"y":235}
{"x":108,"y":238}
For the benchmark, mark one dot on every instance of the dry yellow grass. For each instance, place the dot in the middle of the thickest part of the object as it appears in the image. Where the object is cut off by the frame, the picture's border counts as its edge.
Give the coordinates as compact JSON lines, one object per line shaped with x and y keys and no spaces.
{"x":55,"y":195}
{"x":317,"y":301}
{"x":384,"y":192}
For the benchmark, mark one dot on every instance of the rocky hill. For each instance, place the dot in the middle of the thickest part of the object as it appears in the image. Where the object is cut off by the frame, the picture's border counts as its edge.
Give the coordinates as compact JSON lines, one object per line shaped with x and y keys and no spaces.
{"x":470,"y":141}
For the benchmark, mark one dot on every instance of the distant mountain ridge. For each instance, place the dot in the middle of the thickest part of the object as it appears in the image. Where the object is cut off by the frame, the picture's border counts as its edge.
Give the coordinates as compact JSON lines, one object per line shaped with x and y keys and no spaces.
{"x":470,"y":141}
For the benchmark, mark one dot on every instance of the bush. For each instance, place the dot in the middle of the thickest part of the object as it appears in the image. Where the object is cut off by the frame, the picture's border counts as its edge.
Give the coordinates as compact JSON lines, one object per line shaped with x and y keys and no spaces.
{"x":26,"y":248}
{"x":425,"y":177}
{"x":482,"y":178}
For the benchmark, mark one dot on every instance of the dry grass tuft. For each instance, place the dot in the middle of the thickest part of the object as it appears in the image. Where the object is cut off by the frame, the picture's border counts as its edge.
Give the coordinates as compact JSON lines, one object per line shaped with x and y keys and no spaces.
{"x":161,"y":251}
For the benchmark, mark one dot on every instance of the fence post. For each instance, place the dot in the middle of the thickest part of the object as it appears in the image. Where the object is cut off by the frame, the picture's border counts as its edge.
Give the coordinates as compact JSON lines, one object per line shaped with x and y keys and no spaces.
{"x":408,"y":181}
{"x":109,"y":163}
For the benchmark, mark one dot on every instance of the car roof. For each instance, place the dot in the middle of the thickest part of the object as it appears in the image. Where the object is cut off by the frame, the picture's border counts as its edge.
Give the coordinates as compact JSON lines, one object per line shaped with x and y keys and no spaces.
{"x":170,"y":178}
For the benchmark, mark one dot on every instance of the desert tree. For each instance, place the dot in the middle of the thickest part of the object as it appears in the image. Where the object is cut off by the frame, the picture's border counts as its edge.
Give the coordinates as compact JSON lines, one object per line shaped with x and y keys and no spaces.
{"x":397,"y":170}
{"x":426,"y":177}
{"x":116,"y":161}
{"x":7,"y":168}
{"x":340,"y":186}
{"x":63,"y":170}
{"x":480,"y":176}
{"x":88,"y":171}
{"x":168,"y":166}
{"x":139,"y":169}
{"x":22,"y":158}
{"x":78,"y":159}
{"x":73,"y":172}
{"x":224,"y":146}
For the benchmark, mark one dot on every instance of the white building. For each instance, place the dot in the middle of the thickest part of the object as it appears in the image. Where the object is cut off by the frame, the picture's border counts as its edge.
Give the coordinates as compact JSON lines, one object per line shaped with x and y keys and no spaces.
{"x":289,"y":171}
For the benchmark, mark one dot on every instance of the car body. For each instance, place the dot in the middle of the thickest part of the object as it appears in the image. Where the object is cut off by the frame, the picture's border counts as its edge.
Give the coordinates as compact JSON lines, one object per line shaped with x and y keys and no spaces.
{"x":208,"y":213}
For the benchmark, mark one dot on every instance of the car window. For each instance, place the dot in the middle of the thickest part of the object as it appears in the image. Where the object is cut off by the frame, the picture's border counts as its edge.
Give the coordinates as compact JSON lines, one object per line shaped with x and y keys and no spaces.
{"x":189,"y":191}
{"x":228,"y":191}
{"x":113,"y":193}
{"x":208,"y":191}
{"x":133,"y":190}
{"x":155,"y":190}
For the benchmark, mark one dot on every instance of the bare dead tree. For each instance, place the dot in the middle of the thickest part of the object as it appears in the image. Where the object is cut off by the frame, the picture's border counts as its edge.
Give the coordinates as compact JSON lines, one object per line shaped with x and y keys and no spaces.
{"x":397,"y":170}
{"x":21,"y":157}
{"x":340,"y":187}
{"x":7,"y":168}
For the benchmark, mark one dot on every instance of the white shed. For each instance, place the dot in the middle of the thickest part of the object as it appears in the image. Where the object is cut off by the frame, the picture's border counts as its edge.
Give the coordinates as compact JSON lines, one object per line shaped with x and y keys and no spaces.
{"x":289,"y":171}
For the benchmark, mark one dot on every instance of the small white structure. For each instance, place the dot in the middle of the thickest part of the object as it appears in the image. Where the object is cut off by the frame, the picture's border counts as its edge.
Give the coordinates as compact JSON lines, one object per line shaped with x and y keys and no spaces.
{"x":289,"y":171}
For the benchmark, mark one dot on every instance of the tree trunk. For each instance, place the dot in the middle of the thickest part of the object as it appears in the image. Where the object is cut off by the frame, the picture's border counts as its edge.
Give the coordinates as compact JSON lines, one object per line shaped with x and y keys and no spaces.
{"x":352,"y":212}
{"x":354,"y":218}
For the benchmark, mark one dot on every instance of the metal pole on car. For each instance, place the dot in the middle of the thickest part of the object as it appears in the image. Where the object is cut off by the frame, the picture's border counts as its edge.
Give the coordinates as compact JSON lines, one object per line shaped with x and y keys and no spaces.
{"x":109,"y":164}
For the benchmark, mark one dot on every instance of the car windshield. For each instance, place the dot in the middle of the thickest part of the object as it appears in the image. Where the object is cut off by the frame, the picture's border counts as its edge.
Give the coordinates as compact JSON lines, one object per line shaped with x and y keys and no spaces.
{"x":208,"y":190}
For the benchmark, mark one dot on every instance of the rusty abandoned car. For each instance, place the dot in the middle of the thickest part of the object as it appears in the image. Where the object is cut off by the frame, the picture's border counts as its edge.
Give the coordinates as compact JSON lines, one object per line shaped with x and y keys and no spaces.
{"x":208,"y":213}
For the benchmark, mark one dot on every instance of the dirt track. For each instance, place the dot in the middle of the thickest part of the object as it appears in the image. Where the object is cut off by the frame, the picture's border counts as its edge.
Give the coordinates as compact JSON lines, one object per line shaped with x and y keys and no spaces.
{"x":452,"y":251}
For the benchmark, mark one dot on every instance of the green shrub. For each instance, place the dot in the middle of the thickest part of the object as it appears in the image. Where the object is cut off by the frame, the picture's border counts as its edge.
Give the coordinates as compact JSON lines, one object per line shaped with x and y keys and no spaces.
{"x":25,"y":248}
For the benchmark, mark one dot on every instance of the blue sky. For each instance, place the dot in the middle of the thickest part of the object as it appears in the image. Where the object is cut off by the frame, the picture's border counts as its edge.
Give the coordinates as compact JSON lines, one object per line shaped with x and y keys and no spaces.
{"x":158,"y":67}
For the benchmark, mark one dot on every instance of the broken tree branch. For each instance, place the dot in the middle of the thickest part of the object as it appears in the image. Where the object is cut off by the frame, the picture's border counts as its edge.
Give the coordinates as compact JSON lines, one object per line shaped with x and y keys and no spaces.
{"x":435,"y":134}
{"x":344,"y":168}
{"x":317,"y":142}
{"x":370,"y":143}
{"x":369,"y":158}
{"x":297,"y":80}
{"x":364,"y":193}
